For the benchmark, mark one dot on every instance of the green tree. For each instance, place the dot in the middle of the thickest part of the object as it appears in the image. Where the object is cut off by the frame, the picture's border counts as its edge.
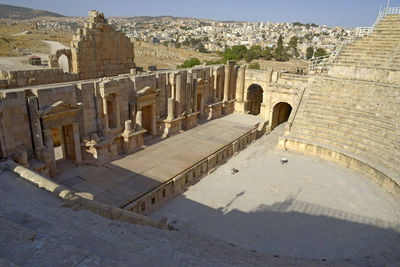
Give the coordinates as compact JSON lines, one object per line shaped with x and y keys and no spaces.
{"x":190,"y":63}
{"x":280,"y":51}
{"x":266,"y":54}
{"x":293,"y":46}
{"x":202,"y":49}
{"x":320,"y":52}
{"x":309,"y":52}
{"x":254,"y":66}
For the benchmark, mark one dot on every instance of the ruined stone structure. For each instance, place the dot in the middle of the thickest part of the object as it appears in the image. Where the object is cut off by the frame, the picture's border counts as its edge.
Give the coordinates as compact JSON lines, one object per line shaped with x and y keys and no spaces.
{"x":350,"y":115}
{"x":93,"y":122}
{"x":98,"y":50}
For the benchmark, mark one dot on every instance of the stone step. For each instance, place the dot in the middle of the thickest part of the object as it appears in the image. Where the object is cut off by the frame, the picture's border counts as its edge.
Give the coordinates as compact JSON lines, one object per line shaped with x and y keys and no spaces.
{"x":342,"y":119}
{"x":347,"y":138}
{"x":337,"y":99}
{"x":368,"y":151}
{"x":345,"y":130}
{"x":337,"y":146}
{"x":383,"y":118}
{"x":385,"y":107}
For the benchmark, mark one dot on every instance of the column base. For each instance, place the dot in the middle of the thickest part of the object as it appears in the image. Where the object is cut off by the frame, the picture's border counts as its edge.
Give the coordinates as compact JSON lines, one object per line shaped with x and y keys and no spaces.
{"x":240,"y":107}
{"x":190,"y":121}
{"x":171,"y":127}
{"x":133,"y":141}
{"x":214,"y":111}
{"x":228,"y":107}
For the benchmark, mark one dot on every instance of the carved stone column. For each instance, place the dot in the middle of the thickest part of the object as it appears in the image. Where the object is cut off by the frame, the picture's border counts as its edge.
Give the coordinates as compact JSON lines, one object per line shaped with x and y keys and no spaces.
{"x":227,"y":82}
{"x":215,"y":85}
{"x":154,"y":119}
{"x":240,"y":83}
{"x":139,"y":118}
{"x":35,"y":126}
{"x":195,"y":94}
{"x":188,"y":93}
{"x":117,"y":111}
{"x":171,"y":109}
{"x":178,"y":95}
{"x":49,"y":155}
{"x":77,"y":143}
{"x":105,"y":115}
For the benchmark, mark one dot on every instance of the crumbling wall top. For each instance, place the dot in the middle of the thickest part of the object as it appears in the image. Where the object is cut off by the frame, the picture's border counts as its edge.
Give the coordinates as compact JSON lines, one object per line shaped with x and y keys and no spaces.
{"x":96,"y":17}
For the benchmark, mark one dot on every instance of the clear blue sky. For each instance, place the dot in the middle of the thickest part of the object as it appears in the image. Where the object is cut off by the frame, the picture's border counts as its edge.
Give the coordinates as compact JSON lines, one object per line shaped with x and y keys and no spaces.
{"x":348,"y":13}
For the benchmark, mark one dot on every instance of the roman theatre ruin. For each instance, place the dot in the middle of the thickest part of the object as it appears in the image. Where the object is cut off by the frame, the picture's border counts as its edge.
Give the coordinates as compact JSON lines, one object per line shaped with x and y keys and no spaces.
{"x":212,"y":165}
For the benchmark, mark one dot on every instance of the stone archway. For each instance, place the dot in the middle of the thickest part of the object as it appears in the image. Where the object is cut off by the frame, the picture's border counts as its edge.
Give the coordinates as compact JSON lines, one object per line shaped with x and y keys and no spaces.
{"x":62,"y":58}
{"x":64,"y":63}
{"x":280,"y":114}
{"x":254,"y":99}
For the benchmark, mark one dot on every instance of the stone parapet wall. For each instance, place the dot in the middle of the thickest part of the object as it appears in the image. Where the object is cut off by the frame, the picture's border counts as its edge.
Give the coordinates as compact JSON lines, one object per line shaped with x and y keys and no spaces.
{"x":22,"y":78}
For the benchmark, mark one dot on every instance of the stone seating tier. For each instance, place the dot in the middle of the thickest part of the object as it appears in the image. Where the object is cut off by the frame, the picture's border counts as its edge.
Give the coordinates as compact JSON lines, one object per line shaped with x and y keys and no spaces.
{"x":380,"y":49}
{"x":360,"y":118}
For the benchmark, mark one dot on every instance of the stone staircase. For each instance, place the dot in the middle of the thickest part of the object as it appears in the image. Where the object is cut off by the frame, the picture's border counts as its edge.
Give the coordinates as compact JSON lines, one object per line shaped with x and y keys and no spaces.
{"x":36,"y":230}
{"x":360,"y":119}
{"x":381,"y":49}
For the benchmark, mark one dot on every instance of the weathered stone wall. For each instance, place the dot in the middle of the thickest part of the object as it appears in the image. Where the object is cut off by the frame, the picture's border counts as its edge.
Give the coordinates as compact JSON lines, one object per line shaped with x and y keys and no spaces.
{"x":14,"y":124}
{"x":97,"y":120}
{"x":277,"y":87}
{"x":15,"y":79}
{"x":100,"y":51}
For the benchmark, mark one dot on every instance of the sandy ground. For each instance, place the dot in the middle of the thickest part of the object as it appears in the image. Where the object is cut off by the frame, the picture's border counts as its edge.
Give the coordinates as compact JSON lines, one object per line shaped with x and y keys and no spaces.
{"x":22,"y":63}
{"x":306,"y":208}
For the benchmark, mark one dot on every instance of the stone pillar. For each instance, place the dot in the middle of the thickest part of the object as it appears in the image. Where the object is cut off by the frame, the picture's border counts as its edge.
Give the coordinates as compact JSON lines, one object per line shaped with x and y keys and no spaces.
{"x":77,"y":143}
{"x":105,"y":115}
{"x":35,"y":126}
{"x":171,"y":109}
{"x":178,"y":94}
{"x":154,"y":119}
{"x":227,"y":82}
{"x":195,"y":94}
{"x":48,"y":140}
{"x":188,"y":93}
{"x":202,"y":106}
{"x":139,"y":118}
{"x":240,"y":83}
{"x":215,"y":84}
{"x":128,"y":127}
{"x":117,"y":111}
{"x":50,"y":157}
{"x":132,"y":111}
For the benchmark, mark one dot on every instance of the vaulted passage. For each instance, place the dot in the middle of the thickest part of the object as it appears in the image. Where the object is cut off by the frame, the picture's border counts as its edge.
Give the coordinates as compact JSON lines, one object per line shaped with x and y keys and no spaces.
{"x":280,"y":114}
{"x":254,"y":97}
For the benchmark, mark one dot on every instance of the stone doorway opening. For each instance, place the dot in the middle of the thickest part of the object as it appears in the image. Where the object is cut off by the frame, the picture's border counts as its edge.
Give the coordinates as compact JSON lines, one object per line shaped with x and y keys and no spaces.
{"x":254,"y":98}
{"x":64,"y":146}
{"x":147,"y":118}
{"x":280,"y":114}
{"x":198,"y":104}
{"x":111,"y":118}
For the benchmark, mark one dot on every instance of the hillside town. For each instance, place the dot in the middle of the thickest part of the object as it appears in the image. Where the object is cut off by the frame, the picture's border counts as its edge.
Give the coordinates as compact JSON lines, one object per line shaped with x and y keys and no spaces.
{"x":212,"y":36}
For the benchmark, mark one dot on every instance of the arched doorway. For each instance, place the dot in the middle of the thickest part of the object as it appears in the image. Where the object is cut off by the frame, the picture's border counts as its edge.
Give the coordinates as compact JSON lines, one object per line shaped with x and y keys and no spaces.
{"x":280,"y":114}
{"x":63,"y":63}
{"x":254,"y":98}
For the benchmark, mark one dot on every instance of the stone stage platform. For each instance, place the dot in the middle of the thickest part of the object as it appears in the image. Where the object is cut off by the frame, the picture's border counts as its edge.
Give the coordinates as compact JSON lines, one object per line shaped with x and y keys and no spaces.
{"x":147,"y":178}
